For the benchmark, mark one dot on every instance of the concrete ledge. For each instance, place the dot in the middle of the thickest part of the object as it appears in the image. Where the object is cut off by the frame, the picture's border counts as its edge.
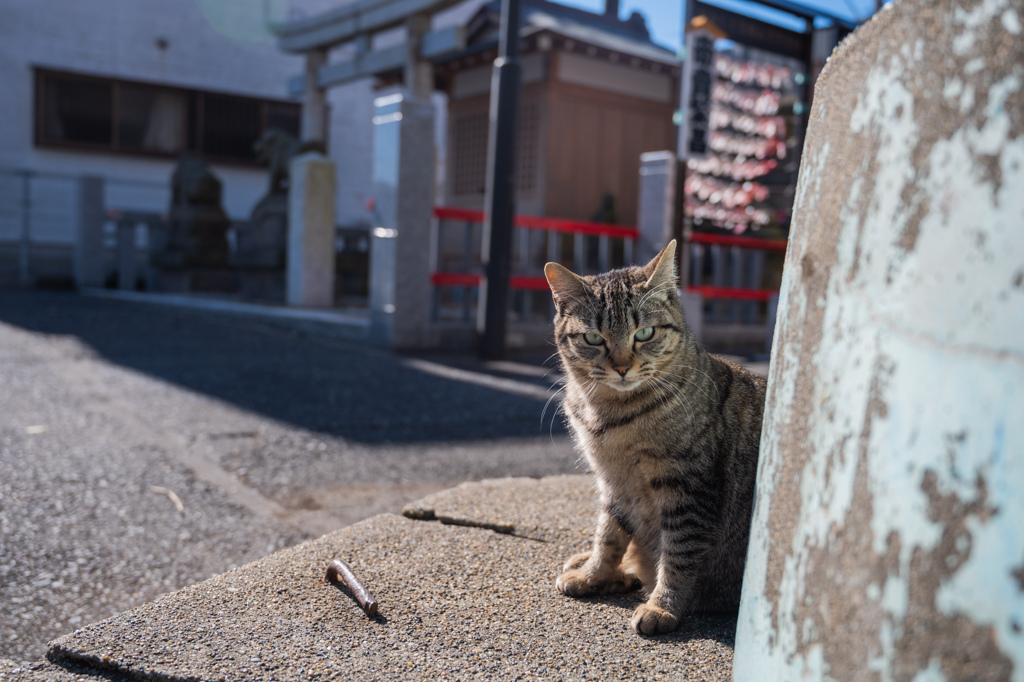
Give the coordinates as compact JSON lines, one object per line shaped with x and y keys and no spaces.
{"x":455,"y":602}
{"x":565,"y":509}
{"x":352,"y":326}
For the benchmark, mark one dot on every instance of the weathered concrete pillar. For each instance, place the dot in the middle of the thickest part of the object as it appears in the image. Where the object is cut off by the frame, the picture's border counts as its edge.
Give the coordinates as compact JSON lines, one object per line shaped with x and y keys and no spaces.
{"x":888,"y":532}
{"x":311,"y":252}
{"x":400,"y":248}
{"x":89,"y":241}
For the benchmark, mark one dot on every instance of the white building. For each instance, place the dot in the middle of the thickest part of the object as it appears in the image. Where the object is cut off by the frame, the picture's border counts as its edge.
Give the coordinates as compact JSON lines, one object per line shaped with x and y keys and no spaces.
{"x":118,"y":88}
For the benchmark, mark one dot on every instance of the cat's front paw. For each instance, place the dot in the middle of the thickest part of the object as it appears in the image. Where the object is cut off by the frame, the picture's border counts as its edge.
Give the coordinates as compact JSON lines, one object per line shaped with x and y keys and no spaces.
{"x":575,"y":561}
{"x":574,"y":583}
{"x":580,"y":583}
{"x":653,"y":620}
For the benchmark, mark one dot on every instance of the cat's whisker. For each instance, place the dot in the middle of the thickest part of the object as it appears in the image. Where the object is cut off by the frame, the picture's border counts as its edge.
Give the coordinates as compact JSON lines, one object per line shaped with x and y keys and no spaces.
{"x":689,"y":382}
{"x":586,"y":304}
{"x":653,"y":291}
{"x":710,"y":380}
{"x":591,"y":390}
{"x":650,"y":293}
{"x":552,"y":368}
{"x":551,"y":427}
{"x":675,"y":391}
{"x":545,"y":410}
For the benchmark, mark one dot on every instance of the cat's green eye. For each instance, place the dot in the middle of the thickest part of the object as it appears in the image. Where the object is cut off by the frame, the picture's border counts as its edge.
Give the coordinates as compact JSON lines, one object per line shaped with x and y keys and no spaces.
{"x":644,"y":334}
{"x":593,"y":338}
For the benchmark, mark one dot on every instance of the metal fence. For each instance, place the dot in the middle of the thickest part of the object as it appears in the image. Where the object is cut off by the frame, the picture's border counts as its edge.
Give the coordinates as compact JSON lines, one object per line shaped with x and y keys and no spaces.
{"x":37,"y":218}
{"x":40,"y":214}
{"x":730,"y":272}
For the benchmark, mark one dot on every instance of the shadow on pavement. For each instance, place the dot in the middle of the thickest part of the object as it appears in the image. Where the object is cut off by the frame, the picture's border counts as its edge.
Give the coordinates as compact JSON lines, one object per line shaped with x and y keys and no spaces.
{"x":311,"y":381}
{"x":720,"y":627}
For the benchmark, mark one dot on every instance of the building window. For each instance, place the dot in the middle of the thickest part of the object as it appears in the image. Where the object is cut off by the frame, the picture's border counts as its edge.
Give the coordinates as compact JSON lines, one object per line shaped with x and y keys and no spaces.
{"x":470,"y":133}
{"x":152,"y":120}
{"x":109,"y":115}
{"x":78,"y":110}
{"x":526,"y":147}
{"x":470,"y":157}
{"x":230,"y":125}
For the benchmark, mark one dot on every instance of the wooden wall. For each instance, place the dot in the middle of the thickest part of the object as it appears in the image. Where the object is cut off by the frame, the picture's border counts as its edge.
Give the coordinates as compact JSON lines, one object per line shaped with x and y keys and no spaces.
{"x":594,"y":142}
{"x":585,"y":142}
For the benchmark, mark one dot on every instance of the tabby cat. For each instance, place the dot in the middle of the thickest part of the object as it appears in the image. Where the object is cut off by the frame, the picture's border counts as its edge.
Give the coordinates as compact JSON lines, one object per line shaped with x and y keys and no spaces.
{"x":671,"y":434}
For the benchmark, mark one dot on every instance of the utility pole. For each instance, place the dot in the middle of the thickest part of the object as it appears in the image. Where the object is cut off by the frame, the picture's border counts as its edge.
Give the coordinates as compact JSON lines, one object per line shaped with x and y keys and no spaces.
{"x":492,"y":315}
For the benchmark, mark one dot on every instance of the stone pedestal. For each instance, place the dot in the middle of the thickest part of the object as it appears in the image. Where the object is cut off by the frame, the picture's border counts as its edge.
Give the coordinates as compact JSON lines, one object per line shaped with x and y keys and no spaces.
{"x":400,"y":246}
{"x":89,"y":271}
{"x":310,"y":272}
{"x":197,"y":235}
{"x":263,"y":241}
{"x":888,"y":534}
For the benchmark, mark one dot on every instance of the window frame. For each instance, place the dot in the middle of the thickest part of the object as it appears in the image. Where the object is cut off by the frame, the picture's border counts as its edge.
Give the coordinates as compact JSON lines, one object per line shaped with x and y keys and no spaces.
{"x":194,"y":117}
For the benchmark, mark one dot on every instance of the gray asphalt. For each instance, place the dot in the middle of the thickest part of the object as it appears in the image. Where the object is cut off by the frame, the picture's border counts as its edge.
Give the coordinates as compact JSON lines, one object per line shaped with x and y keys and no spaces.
{"x":144,"y":449}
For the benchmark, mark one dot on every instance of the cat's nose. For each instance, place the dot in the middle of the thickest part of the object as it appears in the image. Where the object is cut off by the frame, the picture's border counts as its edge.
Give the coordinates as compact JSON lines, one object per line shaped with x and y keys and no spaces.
{"x":621,"y":369}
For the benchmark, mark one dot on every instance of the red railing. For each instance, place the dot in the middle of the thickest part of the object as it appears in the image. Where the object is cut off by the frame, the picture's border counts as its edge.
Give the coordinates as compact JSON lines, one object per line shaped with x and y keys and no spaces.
{"x":469,"y":279}
{"x":531,"y":222}
{"x":728,"y":240}
{"x":591,"y":229}
{"x":733,"y":293}
{"x":449,"y":213}
{"x":774,"y":245}
{"x":534,"y":222}
{"x":528,"y":222}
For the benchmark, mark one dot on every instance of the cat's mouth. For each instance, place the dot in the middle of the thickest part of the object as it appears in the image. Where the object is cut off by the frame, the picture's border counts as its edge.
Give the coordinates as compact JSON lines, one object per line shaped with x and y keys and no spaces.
{"x":623,"y":384}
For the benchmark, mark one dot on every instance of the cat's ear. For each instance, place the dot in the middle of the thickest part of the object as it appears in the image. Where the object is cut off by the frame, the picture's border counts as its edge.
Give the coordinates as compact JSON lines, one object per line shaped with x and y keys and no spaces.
{"x":565,"y":285}
{"x":661,"y":271}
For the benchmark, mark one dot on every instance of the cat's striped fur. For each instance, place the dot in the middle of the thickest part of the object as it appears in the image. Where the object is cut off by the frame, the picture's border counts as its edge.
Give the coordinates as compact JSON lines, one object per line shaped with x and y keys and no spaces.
{"x":671,"y":434}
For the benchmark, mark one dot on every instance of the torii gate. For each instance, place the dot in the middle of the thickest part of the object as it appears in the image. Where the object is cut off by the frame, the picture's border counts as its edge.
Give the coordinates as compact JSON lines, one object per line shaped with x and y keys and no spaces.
{"x":356,"y":23}
{"x":404,"y":182}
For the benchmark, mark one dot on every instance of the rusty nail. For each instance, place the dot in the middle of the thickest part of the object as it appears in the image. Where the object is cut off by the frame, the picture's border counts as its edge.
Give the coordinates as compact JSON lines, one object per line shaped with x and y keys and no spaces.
{"x":338,"y":569}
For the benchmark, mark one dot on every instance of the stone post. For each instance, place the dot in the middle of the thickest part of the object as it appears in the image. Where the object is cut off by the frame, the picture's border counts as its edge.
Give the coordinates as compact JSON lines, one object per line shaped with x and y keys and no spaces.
{"x":314,"y":99}
{"x":656,"y":220}
{"x":887,"y":540}
{"x":418,"y":72}
{"x":311,"y":251}
{"x":400,"y":248}
{"x":693,"y":312}
{"x":656,"y":212}
{"x":89,"y":241}
{"x":127,"y":268}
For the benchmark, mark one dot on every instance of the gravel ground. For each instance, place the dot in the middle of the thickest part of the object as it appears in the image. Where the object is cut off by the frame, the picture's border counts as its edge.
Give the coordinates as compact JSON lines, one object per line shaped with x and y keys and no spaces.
{"x":143,"y":449}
